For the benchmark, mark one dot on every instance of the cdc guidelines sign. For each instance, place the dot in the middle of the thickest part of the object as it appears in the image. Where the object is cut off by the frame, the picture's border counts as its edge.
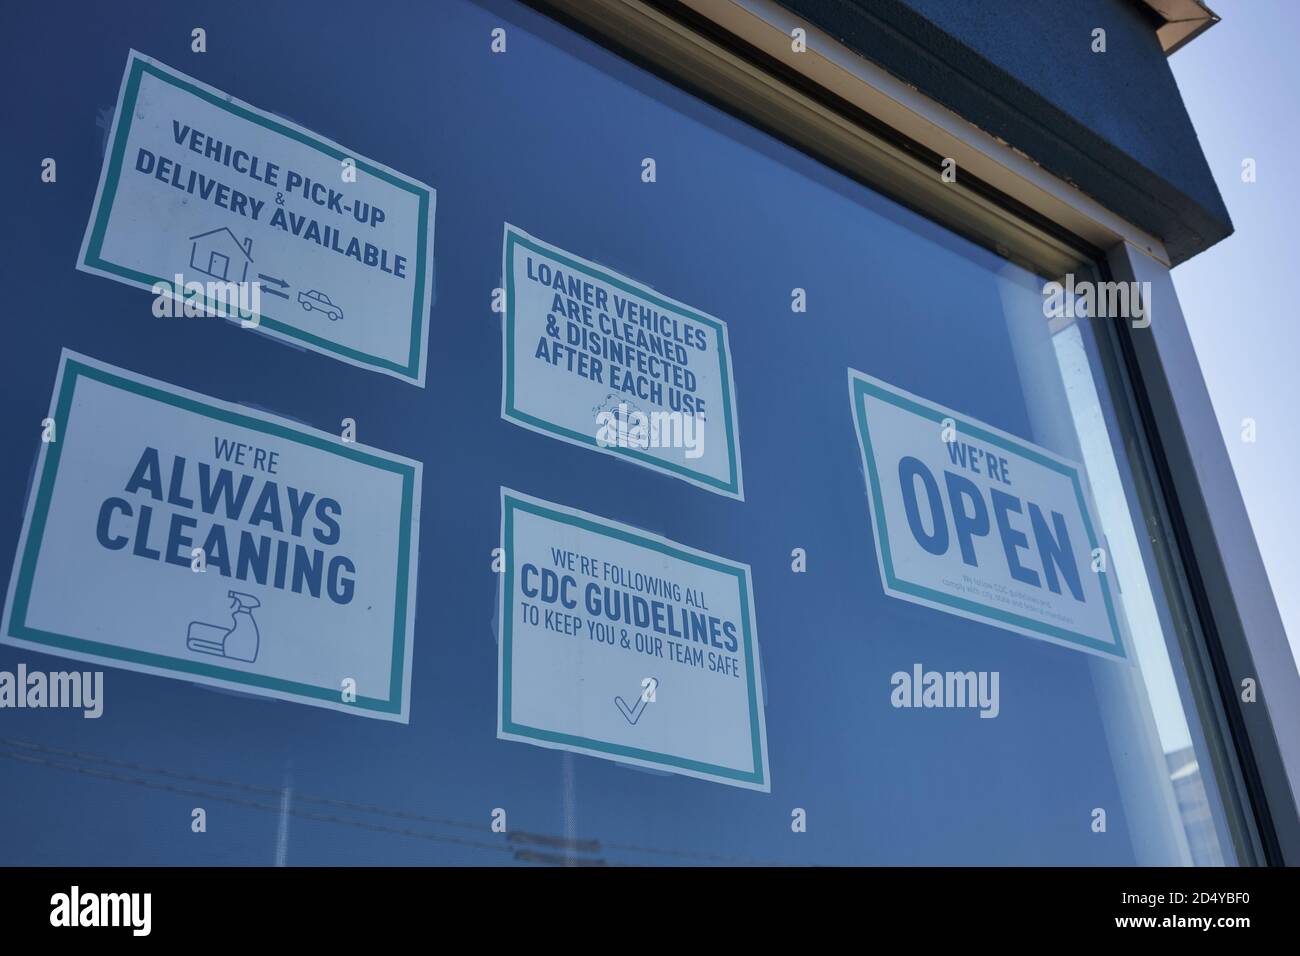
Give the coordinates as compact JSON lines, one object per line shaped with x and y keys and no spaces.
{"x":624,"y":645}
{"x":170,"y":533}
{"x":976,"y":522}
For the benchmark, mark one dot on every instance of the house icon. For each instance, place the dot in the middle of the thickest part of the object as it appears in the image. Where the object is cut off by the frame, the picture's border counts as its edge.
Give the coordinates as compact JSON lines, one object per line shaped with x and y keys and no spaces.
{"x":220,"y":254}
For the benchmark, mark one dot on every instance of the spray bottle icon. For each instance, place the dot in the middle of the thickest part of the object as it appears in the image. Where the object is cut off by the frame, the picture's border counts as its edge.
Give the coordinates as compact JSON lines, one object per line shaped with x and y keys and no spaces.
{"x":238,"y":642}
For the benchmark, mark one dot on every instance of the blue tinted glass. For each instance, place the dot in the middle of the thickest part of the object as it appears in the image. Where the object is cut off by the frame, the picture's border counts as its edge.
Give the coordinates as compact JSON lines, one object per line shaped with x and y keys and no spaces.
{"x":551,"y":135}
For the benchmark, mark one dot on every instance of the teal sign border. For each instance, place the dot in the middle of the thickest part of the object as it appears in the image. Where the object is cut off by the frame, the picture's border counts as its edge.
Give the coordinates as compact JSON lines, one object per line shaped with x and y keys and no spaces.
{"x":859,"y":389}
{"x":94,"y":249}
{"x":509,"y":411}
{"x":74,"y":370}
{"x":509,"y":505}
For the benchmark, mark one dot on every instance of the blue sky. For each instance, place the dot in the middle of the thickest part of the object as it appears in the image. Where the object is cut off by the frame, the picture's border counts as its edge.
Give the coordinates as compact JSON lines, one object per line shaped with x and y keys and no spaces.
{"x":1241,"y":84}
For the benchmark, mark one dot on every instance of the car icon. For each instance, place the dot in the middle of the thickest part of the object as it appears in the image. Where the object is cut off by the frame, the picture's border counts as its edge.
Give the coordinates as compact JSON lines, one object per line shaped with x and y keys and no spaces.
{"x":321,"y":303}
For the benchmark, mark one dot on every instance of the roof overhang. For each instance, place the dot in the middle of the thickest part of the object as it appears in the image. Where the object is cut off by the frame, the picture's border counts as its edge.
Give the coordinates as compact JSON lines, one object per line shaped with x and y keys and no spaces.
{"x":1184,"y":21}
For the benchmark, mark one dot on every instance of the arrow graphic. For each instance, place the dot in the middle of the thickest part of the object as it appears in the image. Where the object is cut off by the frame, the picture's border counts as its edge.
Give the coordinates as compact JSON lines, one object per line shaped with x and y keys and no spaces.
{"x":272,"y":280}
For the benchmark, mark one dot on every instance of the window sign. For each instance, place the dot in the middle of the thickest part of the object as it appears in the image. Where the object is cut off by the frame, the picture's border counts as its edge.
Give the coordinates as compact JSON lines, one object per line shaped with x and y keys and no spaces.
{"x":621,"y":644}
{"x":170,"y":533}
{"x":231,"y":209}
{"x":594,"y":358}
{"x":971,"y":520}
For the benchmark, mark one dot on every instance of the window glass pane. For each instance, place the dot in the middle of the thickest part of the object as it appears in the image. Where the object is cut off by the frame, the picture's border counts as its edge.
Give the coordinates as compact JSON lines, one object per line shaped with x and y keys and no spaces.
{"x":813,"y":274}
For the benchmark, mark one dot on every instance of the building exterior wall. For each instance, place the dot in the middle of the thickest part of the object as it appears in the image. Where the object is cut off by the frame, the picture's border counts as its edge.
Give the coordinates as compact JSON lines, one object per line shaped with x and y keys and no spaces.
{"x":1112,"y":123}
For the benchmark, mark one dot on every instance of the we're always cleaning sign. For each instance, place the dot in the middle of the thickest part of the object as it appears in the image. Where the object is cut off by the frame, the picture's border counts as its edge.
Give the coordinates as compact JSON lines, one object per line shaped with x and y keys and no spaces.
{"x":175,"y":534}
{"x":214,"y":199}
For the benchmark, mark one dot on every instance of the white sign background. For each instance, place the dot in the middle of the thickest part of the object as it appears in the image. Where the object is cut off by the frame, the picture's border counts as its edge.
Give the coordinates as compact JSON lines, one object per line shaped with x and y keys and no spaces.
{"x":88,"y":602}
{"x":558,"y":690}
{"x":554,"y":401}
{"x":142,"y":230}
{"x":893,"y":424}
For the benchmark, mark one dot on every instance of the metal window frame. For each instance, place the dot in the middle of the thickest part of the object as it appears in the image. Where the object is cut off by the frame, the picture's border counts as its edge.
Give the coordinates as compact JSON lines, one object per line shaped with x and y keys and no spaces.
{"x":869,"y":124}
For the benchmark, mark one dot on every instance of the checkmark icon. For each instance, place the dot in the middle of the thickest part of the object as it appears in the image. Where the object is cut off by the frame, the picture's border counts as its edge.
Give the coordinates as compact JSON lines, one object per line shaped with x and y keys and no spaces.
{"x":633,"y":714}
